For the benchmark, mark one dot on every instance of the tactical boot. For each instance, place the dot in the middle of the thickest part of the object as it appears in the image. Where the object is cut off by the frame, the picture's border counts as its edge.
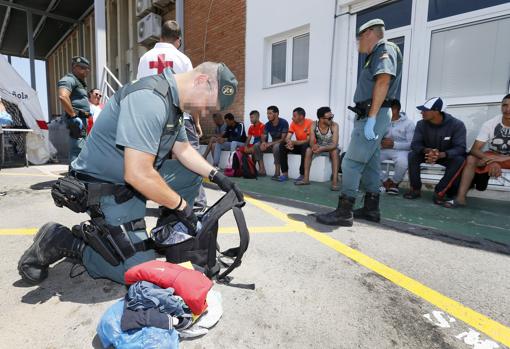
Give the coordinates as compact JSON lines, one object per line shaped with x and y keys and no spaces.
{"x":370,"y":210}
{"x":52,"y":242}
{"x":342,"y":216}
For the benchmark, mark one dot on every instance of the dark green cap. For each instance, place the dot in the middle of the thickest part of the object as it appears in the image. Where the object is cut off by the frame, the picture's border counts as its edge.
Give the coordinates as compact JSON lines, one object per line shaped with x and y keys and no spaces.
{"x":80,"y":60}
{"x":227,"y":86}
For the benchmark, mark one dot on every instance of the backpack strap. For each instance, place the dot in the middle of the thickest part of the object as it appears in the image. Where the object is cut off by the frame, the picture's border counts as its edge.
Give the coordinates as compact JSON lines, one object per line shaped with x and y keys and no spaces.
{"x":158,"y":84}
{"x":228,"y":202}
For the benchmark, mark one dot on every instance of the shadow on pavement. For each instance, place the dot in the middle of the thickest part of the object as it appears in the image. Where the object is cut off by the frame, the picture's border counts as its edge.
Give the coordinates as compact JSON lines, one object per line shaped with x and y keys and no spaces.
{"x":96,"y":343}
{"x":43,"y":185}
{"x":80,"y":289}
{"x":310,"y":222}
{"x":480,"y":243}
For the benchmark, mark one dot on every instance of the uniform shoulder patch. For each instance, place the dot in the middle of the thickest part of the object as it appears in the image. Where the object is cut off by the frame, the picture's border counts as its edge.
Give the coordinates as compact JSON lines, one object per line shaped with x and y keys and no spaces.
{"x":384,"y":55}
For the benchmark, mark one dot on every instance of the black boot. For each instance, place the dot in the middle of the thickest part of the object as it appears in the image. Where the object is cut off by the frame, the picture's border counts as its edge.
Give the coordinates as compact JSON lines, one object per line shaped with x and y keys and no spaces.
{"x":370,"y":210}
{"x":342,"y":215}
{"x":52,"y":242}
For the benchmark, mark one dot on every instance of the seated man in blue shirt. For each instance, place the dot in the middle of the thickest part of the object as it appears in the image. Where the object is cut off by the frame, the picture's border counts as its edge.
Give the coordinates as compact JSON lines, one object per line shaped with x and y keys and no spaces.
{"x":276,"y":128}
{"x":234,"y":136}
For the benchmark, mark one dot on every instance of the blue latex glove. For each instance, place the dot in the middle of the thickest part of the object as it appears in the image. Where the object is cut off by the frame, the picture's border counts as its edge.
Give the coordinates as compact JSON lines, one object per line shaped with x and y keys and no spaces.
{"x":369,"y":129}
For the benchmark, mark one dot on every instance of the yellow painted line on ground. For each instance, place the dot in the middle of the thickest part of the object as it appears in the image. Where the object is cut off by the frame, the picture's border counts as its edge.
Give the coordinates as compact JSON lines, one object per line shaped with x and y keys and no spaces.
{"x":15,"y":174}
{"x":491,"y":328}
{"x":223,"y":230}
{"x":19,"y":231}
{"x":259,"y":230}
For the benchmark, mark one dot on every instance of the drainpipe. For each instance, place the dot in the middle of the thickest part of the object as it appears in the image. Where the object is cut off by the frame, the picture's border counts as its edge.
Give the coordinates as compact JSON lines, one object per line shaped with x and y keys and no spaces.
{"x":100,"y":24}
{"x":179,"y":17}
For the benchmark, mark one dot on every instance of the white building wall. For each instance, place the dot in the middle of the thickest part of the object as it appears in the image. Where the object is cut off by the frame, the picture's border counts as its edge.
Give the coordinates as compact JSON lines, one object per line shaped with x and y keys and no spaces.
{"x":265,"y":19}
{"x":334,"y":58}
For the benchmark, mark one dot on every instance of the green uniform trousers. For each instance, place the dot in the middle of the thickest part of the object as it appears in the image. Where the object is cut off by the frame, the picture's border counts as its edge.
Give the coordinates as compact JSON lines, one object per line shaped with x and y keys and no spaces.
{"x":362,"y":162}
{"x":180,"y":179}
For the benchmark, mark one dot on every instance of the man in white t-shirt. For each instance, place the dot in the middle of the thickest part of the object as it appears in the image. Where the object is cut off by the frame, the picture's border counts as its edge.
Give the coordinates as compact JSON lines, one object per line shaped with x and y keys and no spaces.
{"x":166,"y":54}
{"x":480,"y":165}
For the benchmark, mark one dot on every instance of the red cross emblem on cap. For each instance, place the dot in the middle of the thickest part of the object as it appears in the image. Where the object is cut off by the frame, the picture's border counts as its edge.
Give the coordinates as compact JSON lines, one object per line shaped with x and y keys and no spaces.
{"x":161,"y":64}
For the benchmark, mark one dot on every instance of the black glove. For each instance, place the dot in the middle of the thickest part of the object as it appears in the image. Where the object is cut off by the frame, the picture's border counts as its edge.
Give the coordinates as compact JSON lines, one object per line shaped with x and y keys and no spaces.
{"x":226,"y":184}
{"x":188,"y":218}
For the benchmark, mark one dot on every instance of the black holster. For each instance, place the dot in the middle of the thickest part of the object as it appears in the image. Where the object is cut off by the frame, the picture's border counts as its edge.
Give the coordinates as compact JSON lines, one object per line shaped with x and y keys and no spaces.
{"x":82,"y":193}
{"x":112,"y":242}
{"x":361,"y":108}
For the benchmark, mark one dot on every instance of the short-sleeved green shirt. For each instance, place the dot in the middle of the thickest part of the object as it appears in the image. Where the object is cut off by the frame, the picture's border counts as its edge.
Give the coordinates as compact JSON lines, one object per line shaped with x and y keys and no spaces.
{"x":141,"y":122}
{"x":385,"y":58}
{"x":78,"y":89}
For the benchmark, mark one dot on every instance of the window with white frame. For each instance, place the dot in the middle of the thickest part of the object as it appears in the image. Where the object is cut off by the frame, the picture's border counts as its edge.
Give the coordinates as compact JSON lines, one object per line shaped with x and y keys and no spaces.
{"x":471,"y":60}
{"x":288,"y":57}
{"x":470,"y":67}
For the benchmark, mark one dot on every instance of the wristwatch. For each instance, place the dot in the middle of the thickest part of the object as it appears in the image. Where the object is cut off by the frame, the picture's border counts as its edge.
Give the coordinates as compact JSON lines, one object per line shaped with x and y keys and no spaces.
{"x":213,"y":173}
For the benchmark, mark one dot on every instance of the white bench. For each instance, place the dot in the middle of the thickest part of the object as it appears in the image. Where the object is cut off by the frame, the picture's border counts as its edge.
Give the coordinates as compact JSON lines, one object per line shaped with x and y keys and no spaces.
{"x":320,"y":170}
{"x":433,"y":173}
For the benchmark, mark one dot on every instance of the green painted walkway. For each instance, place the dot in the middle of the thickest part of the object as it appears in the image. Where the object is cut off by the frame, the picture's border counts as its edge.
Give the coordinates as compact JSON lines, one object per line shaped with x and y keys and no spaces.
{"x":483,"y":220}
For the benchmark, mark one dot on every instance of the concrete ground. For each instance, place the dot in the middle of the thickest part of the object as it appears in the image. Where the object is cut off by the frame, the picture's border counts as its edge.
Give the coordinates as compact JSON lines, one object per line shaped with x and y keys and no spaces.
{"x":367,"y":286}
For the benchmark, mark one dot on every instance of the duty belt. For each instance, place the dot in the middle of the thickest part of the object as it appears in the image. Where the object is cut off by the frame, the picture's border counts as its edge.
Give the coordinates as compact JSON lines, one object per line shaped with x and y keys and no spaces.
{"x":361,"y":108}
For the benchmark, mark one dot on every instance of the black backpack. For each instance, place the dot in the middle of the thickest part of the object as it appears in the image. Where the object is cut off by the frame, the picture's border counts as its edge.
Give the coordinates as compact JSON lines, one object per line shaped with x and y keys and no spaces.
{"x":202,"y":249}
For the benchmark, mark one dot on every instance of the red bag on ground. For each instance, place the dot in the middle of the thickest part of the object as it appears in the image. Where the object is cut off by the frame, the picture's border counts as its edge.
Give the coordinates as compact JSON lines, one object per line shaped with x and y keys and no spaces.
{"x":191,"y":285}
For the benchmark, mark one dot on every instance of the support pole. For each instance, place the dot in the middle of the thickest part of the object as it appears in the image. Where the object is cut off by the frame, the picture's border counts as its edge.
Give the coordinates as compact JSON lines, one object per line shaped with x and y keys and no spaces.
{"x":179,"y":17}
{"x":31,"y":51}
{"x":100,"y":24}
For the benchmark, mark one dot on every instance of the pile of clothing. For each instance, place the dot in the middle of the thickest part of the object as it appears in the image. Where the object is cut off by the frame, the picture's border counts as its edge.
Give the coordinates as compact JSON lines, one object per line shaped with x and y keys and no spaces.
{"x":164,"y":302}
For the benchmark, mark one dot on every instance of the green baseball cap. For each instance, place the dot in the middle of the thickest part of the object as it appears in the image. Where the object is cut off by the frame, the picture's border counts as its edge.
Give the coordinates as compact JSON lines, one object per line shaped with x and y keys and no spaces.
{"x":372,"y":23}
{"x":80,"y":60}
{"x":227,"y":86}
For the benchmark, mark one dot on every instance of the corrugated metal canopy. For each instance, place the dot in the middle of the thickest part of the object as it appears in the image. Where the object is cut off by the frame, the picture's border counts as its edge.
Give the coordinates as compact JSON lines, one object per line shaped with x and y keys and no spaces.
{"x":52,"y":19}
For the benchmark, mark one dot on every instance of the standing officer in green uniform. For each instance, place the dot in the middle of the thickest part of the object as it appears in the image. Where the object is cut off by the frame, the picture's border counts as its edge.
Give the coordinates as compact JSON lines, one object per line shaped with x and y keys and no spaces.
{"x":125,"y":162}
{"x":377,"y":86}
{"x":72,"y":93}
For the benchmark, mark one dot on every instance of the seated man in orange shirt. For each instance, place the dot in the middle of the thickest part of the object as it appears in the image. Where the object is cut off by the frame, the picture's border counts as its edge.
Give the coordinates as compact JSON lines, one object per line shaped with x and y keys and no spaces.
{"x":300,"y":127}
{"x":255,"y":132}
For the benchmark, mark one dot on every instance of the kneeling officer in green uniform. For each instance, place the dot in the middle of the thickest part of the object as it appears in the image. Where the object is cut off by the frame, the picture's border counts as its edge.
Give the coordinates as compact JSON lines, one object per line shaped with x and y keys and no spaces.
{"x":124,"y":163}
{"x":378,"y":83}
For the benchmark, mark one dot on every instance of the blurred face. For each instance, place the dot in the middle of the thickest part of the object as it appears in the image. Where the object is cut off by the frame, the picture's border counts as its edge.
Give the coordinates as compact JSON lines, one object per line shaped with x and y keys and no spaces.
{"x":95,"y":97}
{"x":327,"y":119}
{"x":230,"y":123}
{"x":395,"y":112}
{"x":81,"y":71}
{"x":218,"y":120}
{"x":254,"y":118}
{"x":271,"y":115}
{"x":363,"y":40}
{"x":202,"y":96}
{"x":428,"y":115}
{"x":297,"y":118}
{"x":505,"y":108}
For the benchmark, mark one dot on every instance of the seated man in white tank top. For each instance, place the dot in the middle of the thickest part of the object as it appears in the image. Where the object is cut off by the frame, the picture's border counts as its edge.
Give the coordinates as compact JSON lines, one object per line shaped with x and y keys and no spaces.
{"x":323,"y":141}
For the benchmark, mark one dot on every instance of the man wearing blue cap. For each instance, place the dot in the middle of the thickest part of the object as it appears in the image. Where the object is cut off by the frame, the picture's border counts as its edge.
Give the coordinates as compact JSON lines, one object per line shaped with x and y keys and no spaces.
{"x":125,"y":162}
{"x":378,"y":83}
{"x":72,"y":93}
{"x":438,"y":139}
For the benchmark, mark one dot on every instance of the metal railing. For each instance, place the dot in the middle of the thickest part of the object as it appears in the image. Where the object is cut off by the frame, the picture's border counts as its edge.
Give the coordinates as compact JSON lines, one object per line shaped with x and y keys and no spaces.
{"x":107,"y":90}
